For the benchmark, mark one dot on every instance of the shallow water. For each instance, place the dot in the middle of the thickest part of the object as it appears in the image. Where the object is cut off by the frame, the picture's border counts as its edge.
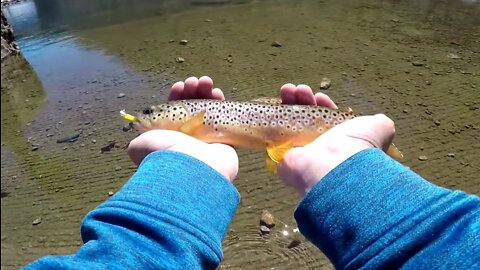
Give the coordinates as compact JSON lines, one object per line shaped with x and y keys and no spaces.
{"x":82,"y":57}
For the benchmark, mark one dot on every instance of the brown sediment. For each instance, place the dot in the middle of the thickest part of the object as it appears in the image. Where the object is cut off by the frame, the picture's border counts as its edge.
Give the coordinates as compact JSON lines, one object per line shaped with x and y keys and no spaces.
{"x":367,"y":50}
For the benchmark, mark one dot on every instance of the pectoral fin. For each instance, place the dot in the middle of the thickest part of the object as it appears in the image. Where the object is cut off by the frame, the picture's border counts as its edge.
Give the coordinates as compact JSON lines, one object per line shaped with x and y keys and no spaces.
{"x":275,"y":154}
{"x":395,"y":153}
{"x":192,"y":126}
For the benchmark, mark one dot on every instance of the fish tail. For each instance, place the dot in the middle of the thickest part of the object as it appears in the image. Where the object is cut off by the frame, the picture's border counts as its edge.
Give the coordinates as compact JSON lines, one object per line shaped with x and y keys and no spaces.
{"x":395,"y":153}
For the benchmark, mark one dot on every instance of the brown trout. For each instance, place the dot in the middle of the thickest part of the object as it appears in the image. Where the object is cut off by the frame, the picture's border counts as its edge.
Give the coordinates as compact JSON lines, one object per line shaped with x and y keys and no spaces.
{"x":262,"y":124}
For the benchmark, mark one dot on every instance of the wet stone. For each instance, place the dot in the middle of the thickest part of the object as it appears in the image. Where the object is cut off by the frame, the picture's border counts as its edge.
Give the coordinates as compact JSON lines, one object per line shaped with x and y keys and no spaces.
{"x":179,"y":59}
{"x":422,"y":158}
{"x":34,"y":148}
{"x":183,"y":42}
{"x":110,"y":193}
{"x":294,"y":243}
{"x":405,"y":111}
{"x":437,"y":122}
{"x":276,"y":44}
{"x":417,"y":64}
{"x":264,"y":230}
{"x":325,"y":83}
{"x":267,"y":219}
{"x":452,"y":155}
{"x":121,"y":95}
{"x":94,"y":141}
{"x":37,"y":221}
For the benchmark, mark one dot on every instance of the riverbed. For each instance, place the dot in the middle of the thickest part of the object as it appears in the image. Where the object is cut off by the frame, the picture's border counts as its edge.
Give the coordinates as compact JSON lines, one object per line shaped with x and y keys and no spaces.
{"x":416,"y":61}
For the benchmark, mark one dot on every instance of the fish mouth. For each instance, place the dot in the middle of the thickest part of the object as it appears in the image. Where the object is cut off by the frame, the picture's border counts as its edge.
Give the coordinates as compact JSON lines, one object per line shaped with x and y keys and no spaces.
{"x":130,"y":118}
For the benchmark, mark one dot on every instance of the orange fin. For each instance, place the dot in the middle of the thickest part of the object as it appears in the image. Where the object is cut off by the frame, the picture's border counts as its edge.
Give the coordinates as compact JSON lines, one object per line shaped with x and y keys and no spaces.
{"x":192,"y":126}
{"x":395,"y":153}
{"x":271,"y":165}
{"x":275,"y":154}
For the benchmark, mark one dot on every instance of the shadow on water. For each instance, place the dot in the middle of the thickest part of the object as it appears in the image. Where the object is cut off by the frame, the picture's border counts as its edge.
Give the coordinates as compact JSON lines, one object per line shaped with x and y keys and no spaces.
{"x":88,"y":61}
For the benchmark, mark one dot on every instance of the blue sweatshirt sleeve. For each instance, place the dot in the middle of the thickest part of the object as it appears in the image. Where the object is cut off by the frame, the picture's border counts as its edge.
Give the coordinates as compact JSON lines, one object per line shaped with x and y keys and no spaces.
{"x":172,"y":214}
{"x":372,"y":212}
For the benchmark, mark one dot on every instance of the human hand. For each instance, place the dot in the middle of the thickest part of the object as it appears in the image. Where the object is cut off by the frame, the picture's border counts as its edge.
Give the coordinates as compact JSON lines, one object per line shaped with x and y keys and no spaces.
{"x":303,"y":167}
{"x":220,"y":157}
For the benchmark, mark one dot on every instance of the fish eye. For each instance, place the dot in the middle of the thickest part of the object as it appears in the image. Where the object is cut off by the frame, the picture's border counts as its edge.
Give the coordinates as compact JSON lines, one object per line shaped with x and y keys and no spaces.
{"x":147,"y":111}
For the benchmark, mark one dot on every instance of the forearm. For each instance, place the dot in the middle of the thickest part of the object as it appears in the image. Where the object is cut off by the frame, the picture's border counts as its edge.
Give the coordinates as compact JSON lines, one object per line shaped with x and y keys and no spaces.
{"x":371,"y":211}
{"x":173,"y":213}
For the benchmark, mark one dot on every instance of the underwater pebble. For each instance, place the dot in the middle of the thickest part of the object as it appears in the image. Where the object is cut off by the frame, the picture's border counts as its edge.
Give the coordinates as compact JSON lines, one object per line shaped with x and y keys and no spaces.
{"x":276,"y":44}
{"x":294,"y":243}
{"x":264,"y":230}
{"x":267,"y":219}
{"x":37,"y":221}
{"x":325,"y":83}
{"x":422,"y":158}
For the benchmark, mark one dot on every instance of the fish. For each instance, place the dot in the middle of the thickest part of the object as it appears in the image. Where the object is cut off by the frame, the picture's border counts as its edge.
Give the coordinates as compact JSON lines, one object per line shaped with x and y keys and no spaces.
{"x":263,"y":123}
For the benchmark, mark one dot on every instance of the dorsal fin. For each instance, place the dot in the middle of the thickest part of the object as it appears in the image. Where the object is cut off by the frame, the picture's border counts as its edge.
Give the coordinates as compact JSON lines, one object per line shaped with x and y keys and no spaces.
{"x":268,"y":100}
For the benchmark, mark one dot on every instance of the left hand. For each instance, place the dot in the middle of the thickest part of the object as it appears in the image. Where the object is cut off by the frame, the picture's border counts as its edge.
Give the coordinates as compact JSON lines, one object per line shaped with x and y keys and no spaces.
{"x":220,"y":157}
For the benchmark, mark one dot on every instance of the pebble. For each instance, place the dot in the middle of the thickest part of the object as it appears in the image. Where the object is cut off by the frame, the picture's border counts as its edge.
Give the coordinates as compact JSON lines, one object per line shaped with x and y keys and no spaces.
{"x":276,"y":44}
{"x":294,"y":243}
{"x":37,"y":221}
{"x":94,"y":141}
{"x":325,"y":83}
{"x":267,"y":219}
{"x":437,"y":122}
{"x":183,"y":42}
{"x":417,"y":64}
{"x":405,"y":110}
{"x":110,"y":193}
{"x":453,"y":56}
{"x":264,"y":230}
{"x":422,"y":158}
{"x":118,"y":168}
{"x":452,"y":155}
{"x":179,"y":59}
{"x":121,"y":95}
{"x":34,"y":148}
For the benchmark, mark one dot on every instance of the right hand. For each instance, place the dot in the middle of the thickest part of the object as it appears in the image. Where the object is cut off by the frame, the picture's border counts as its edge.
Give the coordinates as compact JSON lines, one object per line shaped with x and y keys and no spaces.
{"x":302,"y":167}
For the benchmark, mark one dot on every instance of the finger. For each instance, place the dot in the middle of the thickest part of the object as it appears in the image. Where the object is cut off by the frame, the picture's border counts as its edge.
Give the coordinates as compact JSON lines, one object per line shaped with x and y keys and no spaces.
{"x":304,"y":95}
{"x":176,"y":92}
{"x":287,"y":92}
{"x":191,"y":85}
{"x":205,"y":87}
{"x":217,"y":93}
{"x":324,"y":100}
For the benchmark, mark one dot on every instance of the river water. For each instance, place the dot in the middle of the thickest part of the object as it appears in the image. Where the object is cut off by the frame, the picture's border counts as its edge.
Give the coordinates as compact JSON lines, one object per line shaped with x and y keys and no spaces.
{"x":416,"y":61}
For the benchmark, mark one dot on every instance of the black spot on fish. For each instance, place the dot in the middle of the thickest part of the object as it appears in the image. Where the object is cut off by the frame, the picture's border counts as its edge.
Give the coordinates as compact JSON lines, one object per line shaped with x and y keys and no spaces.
{"x":147,"y":111}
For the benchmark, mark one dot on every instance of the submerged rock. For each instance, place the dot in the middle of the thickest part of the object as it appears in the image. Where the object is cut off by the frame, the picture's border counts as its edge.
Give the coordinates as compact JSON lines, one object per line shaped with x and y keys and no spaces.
{"x":264,"y":230}
{"x":422,"y":158}
{"x":325,"y":83}
{"x":267,"y":219}
{"x":37,"y":221}
{"x":276,"y":44}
